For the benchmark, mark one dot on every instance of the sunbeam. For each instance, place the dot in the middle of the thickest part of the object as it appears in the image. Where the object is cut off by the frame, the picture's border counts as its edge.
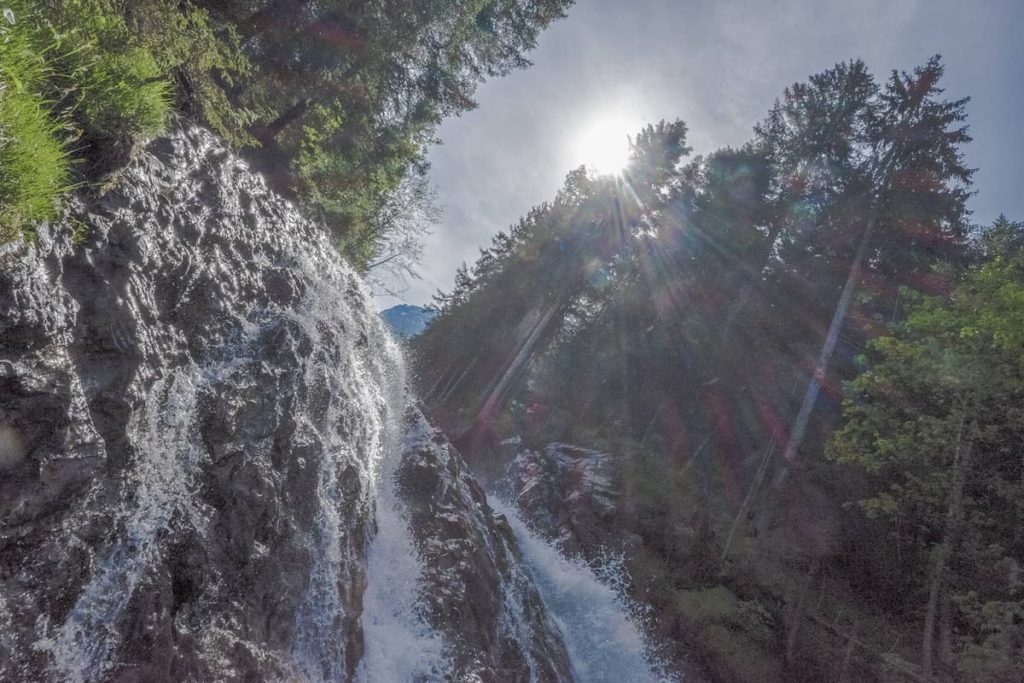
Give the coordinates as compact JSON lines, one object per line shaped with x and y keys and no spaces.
{"x":602,"y":143}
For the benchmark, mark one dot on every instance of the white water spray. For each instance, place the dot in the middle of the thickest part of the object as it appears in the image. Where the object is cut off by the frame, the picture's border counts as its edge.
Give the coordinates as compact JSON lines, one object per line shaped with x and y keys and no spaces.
{"x":400,"y":646}
{"x":163,"y":432}
{"x":357,"y":427}
{"x":604,"y":643}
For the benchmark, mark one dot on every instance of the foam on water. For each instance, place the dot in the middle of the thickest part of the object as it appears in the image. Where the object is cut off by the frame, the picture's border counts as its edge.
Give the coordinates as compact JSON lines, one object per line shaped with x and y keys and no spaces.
{"x":400,"y":646}
{"x":604,"y":643}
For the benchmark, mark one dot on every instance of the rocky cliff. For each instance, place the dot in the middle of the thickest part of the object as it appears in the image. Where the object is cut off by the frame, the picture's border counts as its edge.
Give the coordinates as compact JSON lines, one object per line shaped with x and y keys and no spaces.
{"x":479,"y":593}
{"x":198,"y":413}
{"x":569,"y":494}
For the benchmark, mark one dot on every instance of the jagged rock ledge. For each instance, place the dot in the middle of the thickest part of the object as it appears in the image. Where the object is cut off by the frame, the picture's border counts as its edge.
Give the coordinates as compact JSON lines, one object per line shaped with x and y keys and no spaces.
{"x":195,"y":394}
{"x":158,"y":380}
{"x":476,"y":588}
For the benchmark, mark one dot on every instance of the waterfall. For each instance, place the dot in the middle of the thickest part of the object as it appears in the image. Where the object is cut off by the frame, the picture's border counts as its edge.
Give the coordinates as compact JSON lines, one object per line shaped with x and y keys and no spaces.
{"x":365,"y":381}
{"x":165,"y":440}
{"x":400,"y":646}
{"x":216,"y":416}
{"x":262,"y":430}
{"x":350,"y":407}
{"x":604,"y":643}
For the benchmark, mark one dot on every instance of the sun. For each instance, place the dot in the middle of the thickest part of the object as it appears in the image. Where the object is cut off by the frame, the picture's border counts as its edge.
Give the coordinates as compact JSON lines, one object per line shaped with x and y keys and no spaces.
{"x":602,"y":144}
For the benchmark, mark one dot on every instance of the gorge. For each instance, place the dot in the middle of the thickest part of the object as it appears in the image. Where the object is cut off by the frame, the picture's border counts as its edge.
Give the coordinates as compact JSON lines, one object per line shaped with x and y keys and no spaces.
{"x":212,"y":469}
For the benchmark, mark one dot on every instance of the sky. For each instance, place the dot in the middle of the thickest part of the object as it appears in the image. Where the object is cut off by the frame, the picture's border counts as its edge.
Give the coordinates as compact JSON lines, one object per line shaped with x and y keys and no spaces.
{"x":718,"y":65}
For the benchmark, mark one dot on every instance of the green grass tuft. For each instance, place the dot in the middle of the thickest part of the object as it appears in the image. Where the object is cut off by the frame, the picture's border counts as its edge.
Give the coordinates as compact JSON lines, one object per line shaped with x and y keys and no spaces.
{"x":116,"y":89}
{"x":74,"y":79}
{"x":34,"y":166}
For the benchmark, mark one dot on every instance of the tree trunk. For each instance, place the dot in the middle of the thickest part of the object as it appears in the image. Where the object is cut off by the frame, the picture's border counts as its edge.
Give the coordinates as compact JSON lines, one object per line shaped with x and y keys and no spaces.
{"x":295,"y":112}
{"x":927,"y":646}
{"x":268,"y":132}
{"x":793,"y":637}
{"x":444,"y":376}
{"x":497,"y":394}
{"x":755,"y":483}
{"x":1018,"y":533}
{"x":946,"y":635}
{"x":844,"y":668}
{"x":458,"y":381}
{"x":950,"y":537}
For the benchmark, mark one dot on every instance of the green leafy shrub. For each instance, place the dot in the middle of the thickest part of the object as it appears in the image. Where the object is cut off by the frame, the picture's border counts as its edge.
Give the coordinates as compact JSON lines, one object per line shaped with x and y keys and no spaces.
{"x":202,"y":56}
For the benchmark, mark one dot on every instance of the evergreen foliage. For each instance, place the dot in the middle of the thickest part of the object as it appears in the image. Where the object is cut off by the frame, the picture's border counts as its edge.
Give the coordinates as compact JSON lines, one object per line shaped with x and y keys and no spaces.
{"x":679,"y":311}
{"x":342,"y":97}
{"x":335,"y":101}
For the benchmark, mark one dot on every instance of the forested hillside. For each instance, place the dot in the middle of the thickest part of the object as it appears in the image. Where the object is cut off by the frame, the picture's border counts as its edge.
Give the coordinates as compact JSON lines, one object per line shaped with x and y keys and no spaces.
{"x":780,"y":385}
{"x":336,"y":102}
{"x":809,"y":366}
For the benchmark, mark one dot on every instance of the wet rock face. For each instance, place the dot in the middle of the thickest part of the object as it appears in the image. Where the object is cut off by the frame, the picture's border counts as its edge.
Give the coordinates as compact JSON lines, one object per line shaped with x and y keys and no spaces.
{"x":569,"y":494}
{"x":182,"y":395}
{"x":476,"y":589}
{"x":195,"y":400}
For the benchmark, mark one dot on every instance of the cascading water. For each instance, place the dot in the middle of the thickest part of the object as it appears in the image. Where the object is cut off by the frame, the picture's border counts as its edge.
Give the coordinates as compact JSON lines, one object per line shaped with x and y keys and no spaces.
{"x":365,"y":384}
{"x":164,"y":432}
{"x":400,"y":645}
{"x":604,"y":643}
{"x":212,"y":409}
{"x":203,"y":475}
{"x":349,"y":402}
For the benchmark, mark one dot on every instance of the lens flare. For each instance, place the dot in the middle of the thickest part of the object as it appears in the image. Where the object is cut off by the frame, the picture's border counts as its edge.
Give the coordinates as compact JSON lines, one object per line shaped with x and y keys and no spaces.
{"x":602,"y":144}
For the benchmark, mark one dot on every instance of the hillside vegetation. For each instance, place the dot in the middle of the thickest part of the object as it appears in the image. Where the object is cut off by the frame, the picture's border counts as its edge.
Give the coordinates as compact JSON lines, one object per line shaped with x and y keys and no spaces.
{"x":809,"y":365}
{"x":335,"y":101}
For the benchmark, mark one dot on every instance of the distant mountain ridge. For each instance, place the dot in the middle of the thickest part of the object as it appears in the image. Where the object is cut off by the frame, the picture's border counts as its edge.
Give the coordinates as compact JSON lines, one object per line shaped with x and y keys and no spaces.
{"x":407,"y":321}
